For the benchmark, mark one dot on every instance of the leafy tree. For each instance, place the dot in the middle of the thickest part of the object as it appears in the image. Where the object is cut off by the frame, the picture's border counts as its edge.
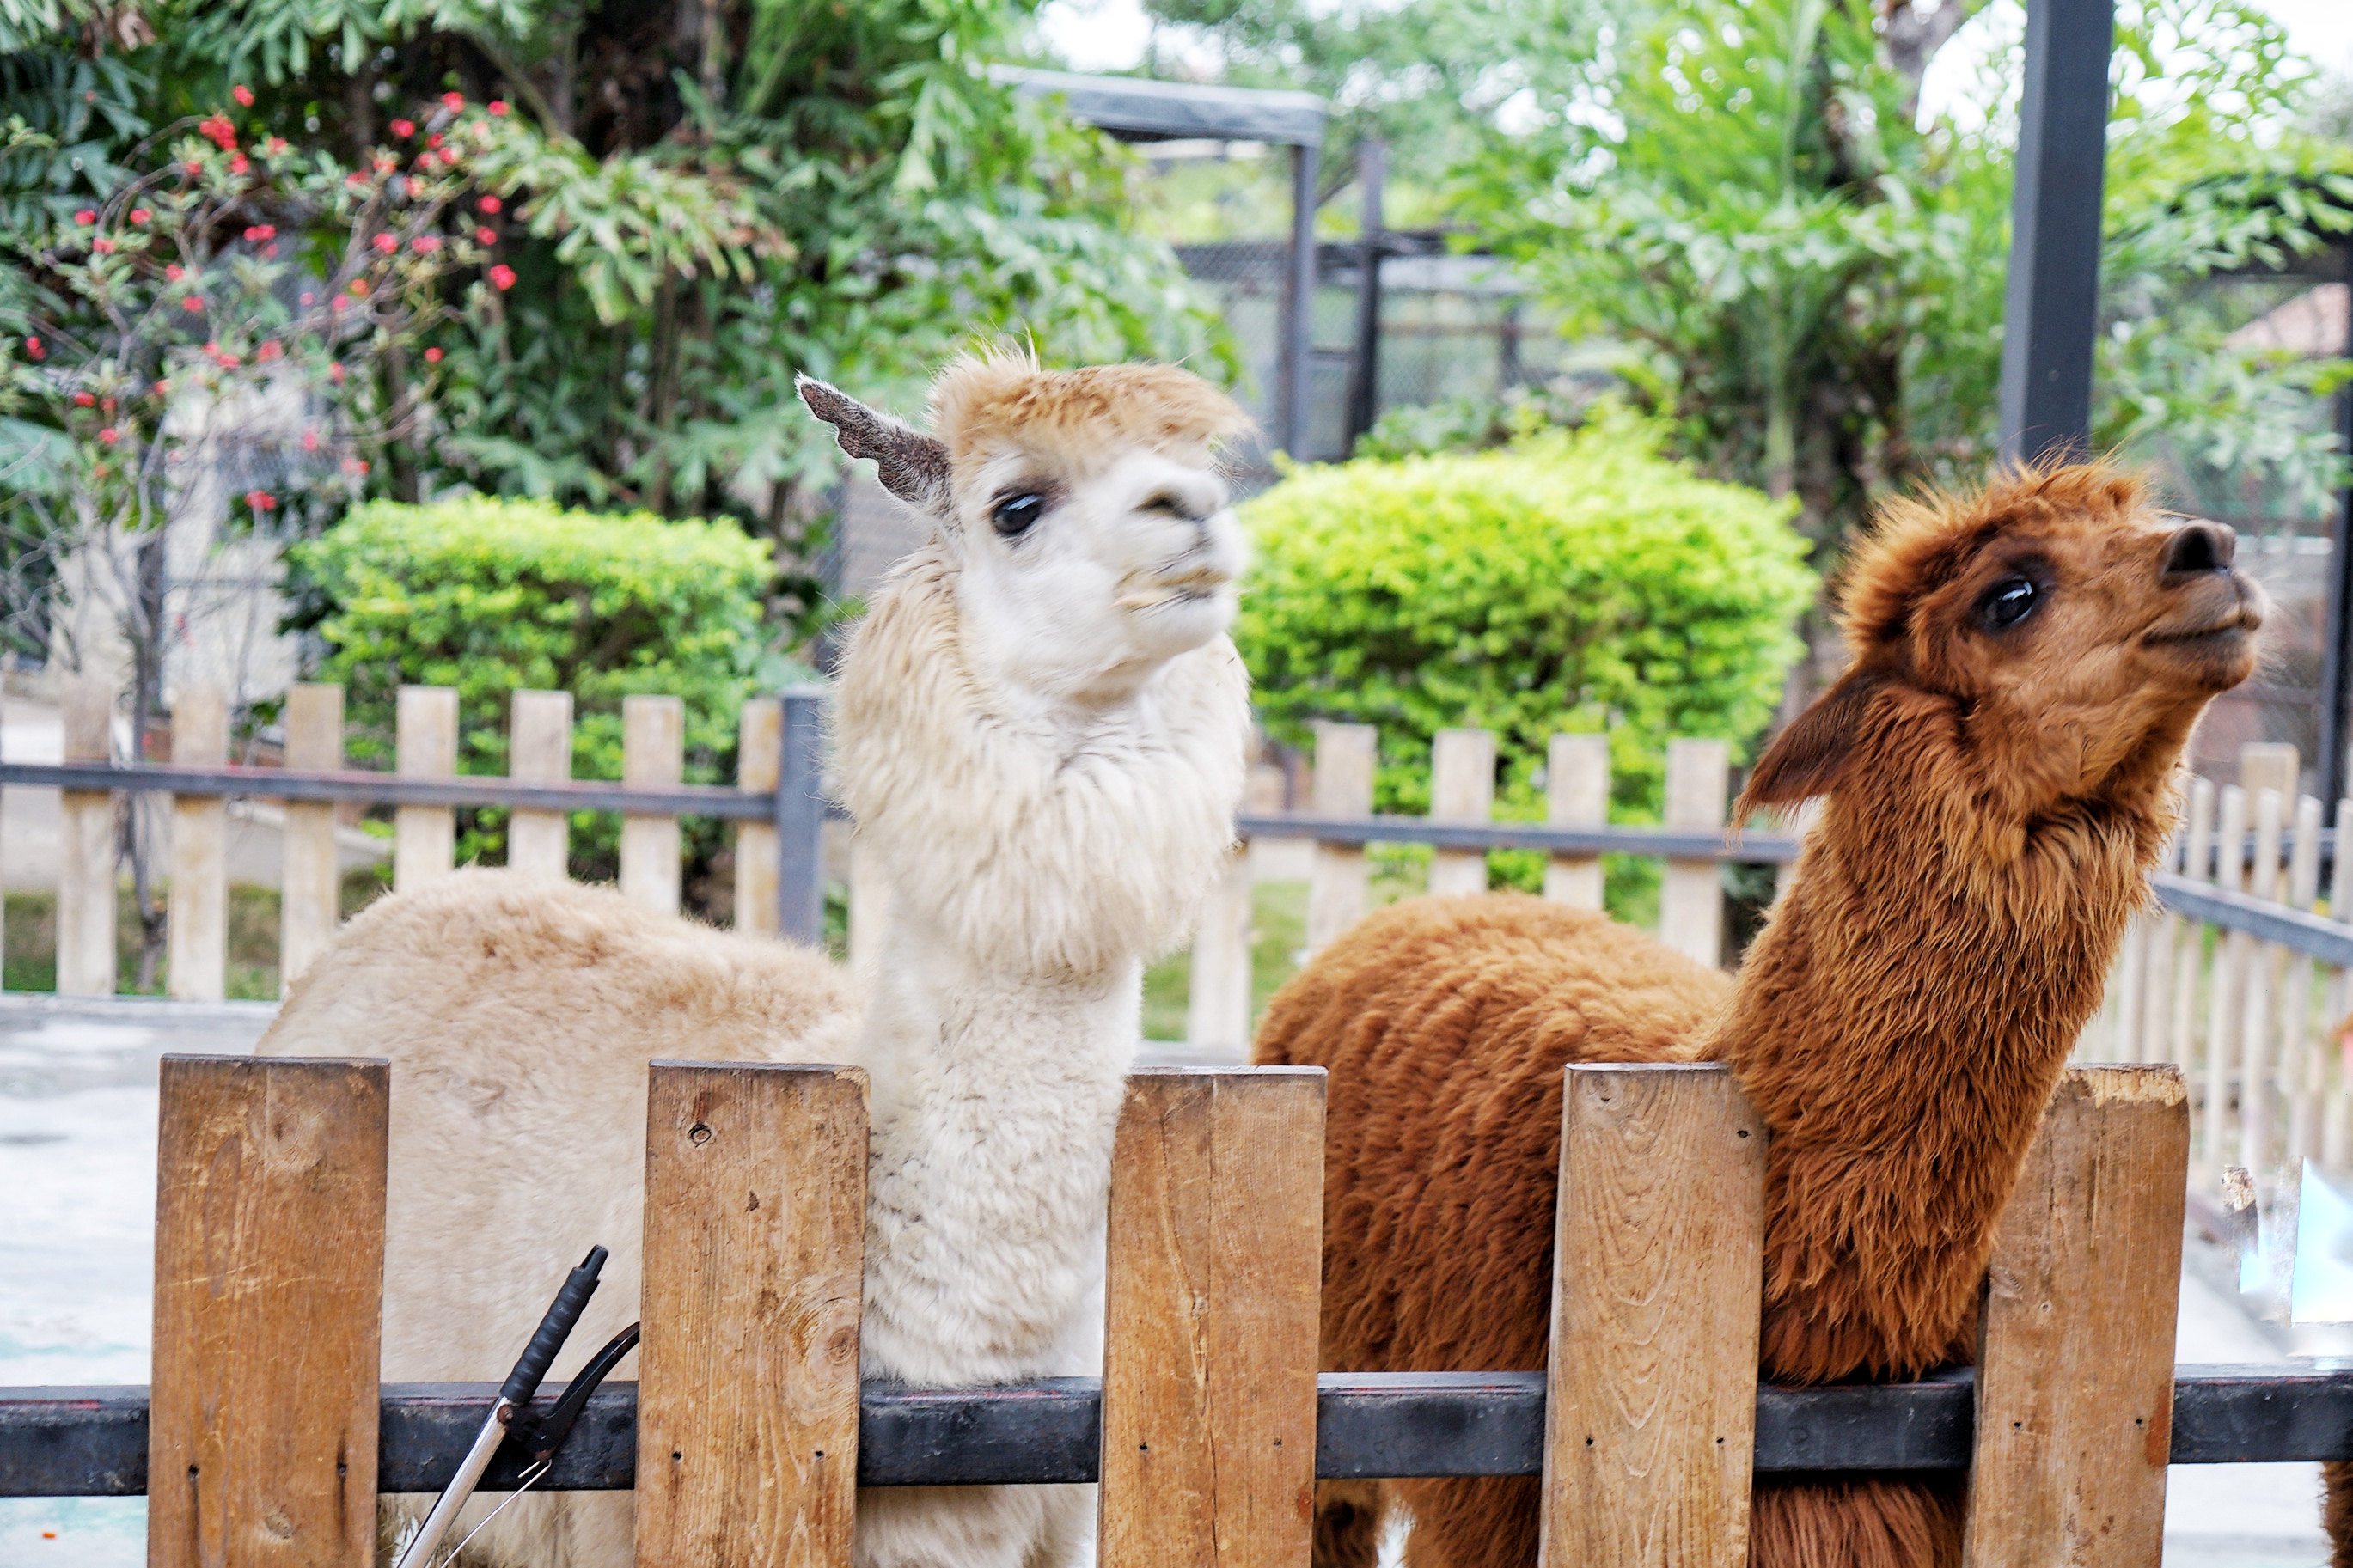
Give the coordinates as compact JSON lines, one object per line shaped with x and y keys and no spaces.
{"x":694,"y":199}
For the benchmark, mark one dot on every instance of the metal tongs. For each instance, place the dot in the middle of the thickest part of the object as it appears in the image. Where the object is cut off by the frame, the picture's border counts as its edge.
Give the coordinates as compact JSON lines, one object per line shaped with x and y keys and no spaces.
{"x":539,"y":1434}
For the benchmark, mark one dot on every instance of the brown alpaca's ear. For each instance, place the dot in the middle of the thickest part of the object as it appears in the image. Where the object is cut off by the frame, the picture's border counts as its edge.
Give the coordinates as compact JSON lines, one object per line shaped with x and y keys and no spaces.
{"x":1806,"y":759}
{"x":911,"y":466}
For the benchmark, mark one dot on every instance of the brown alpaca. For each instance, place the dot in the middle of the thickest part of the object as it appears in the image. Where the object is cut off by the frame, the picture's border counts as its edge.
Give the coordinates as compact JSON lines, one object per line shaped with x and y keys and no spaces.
{"x":1997,"y":762}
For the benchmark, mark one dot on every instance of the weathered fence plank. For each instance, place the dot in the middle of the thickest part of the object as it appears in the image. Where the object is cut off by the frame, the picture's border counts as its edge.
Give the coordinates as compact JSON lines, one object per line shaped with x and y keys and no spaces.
{"x":538,"y":750}
{"x":268,"y":1230}
{"x":1215,"y":1258}
{"x":1342,"y":787}
{"x":653,"y":756}
{"x":2075,"y":1374}
{"x":425,"y":837}
{"x":310,"y":873}
{"x":197,"y":916}
{"x":85,"y":956}
{"x":1691,"y":893}
{"x":1577,"y":795}
{"x":747,"y":1383}
{"x":759,"y":755}
{"x":1651,"y":1413}
{"x":1461,"y":789}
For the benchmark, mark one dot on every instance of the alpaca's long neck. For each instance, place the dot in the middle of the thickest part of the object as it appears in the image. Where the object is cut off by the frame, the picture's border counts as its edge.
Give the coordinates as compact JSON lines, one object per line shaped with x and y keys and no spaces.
{"x":1900,"y":1024}
{"x":1034,"y":859}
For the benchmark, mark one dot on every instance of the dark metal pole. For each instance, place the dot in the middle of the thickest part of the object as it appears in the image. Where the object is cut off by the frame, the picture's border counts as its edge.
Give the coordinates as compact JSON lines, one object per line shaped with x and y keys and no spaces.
{"x":1365,"y":382}
{"x":801,"y":819}
{"x":2051,"y":313}
{"x":2335,"y":658}
{"x":1299,"y":306}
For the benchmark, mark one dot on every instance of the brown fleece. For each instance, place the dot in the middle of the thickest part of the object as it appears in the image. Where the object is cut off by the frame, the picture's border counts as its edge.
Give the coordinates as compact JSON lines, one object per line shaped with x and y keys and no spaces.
{"x":1996,"y":797}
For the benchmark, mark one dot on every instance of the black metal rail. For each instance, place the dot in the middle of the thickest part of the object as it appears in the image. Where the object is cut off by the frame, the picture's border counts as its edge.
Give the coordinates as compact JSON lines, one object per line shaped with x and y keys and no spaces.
{"x":92,"y":1442}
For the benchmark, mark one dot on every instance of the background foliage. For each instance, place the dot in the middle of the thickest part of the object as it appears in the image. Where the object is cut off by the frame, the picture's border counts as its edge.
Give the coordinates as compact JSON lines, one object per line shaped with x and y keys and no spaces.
{"x":498,"y":596}
{"x":1573,"y":581}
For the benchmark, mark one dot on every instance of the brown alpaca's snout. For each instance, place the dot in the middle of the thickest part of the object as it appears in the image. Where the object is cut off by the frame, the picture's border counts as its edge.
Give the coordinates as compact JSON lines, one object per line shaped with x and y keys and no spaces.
{"x":2211,"y":612}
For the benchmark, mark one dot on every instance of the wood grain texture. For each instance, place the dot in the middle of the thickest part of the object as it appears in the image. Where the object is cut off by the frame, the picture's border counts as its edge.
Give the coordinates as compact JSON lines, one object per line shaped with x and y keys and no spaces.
{"x":1650,"y":1412}
{"x":1577,"y":795}
{"x":1461,"y":789}
{"x":1691,"y":892}
{"x":653,"y":756}
{"x":539,"y":748}
{"x":86,"y":955}
{"x":197,"y":916}
{"x":1218,"y":999}
{"x":759,"y":758}
{"x":269,"y":1284}
{"x":425,"y":837}
{"x":2075,"y":1367}
{"x":1211,"y":1295}
{"x":310,"y":906}
{"x":1342,"y":787}
{"x":747,"y":1383}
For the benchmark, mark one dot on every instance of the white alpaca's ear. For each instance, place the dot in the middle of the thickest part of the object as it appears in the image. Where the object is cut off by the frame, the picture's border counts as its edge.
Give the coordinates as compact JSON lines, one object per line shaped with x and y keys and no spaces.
{"x":912,"y":466}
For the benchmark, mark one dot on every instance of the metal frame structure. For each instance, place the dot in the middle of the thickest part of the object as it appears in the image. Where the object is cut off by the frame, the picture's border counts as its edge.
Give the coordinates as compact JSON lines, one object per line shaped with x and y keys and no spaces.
{"x":92,"y":1442}
{"x":1136,"y":110}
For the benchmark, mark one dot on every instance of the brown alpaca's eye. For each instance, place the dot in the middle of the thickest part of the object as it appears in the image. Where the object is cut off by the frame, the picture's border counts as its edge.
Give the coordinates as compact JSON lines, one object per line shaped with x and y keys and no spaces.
{"x":2008,"y":602}
{"x":1014,"y":514}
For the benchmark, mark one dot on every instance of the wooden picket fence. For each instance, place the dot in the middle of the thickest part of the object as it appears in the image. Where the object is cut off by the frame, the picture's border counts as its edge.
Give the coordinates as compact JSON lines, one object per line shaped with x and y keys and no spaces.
{"x":775,"y":805}
{"x":2251,"y":1009}
{"x":747,"y":1430}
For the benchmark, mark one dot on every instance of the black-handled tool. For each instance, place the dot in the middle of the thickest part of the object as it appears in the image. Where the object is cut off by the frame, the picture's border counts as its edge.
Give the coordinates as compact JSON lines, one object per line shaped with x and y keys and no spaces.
{"x":541,"y":1437}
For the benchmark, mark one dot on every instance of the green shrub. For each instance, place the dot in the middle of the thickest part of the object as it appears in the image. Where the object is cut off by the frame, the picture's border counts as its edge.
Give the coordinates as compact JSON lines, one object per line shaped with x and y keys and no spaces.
{"x":495,"y":596}
{"x":1572,"y":582}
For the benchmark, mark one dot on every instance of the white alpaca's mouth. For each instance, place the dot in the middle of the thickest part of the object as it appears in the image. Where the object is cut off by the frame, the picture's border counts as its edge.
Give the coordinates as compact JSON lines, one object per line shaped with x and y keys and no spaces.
{"x":1202,"y":583}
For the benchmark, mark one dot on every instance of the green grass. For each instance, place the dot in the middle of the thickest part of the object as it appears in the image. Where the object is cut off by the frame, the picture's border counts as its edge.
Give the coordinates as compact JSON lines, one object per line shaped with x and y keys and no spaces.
{"x":31,"y":939}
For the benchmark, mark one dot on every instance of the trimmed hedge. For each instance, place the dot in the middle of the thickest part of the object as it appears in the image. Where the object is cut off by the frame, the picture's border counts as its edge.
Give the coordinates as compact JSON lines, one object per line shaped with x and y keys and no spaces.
{"x":1574,"y":580}
{"x":492,"y":597}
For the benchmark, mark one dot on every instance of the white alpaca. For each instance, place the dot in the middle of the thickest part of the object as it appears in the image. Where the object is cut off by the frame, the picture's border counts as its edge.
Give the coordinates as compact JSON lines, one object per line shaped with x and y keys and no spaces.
{"x":1040,"y":732}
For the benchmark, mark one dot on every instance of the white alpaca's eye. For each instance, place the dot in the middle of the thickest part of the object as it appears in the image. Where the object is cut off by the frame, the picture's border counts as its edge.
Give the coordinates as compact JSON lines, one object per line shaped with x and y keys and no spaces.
{"x":1014,"y":514}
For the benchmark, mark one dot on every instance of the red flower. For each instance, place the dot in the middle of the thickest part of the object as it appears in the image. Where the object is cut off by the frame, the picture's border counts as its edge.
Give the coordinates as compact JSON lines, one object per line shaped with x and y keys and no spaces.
{"x":268,"y":250}
{"x":32,"y":346}
{"x":84,"y":400}
{"x":356,"y":178}
{"x":103,"y":247}
{"x":433,"y":356}
{"x":453,"y":102}
{"x":193,"y":168}
{"x":162,"y":389}
{"x":106,"y":405}
{"x":85,"y":217}
{"x":110,"y":434}
{"x":267,"y":352}
{"x":309,"y":440}
{"x":173,"y":272}
{"x":504,"y":276}
{"x":139,"y":215}
{"x":386,"y":243}
{"x":425,"y":244}
{"x":243,"y":94}
{"x":192,"y":303}
{"x":309,"y":298}
{"x":261,"y":231}
{"x":486,"y":236}
{"x":359,"y":289}
{"x":237,"y":165}
{"x":335,"y":373}
{"x":387,"y":165}
{"x":499,"y":107}
{"x":428,"y":160}
{"x":219,"y":130}
{"x":404,"y":128}
{"x":276,"y":147}
{"x":489,"y":204}
{"x":435,"y":140}
{"x":260,"y":501}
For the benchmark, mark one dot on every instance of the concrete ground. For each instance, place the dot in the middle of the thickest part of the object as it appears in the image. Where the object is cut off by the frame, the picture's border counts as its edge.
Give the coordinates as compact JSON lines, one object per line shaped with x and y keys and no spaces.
{"x":77,"y":1111}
